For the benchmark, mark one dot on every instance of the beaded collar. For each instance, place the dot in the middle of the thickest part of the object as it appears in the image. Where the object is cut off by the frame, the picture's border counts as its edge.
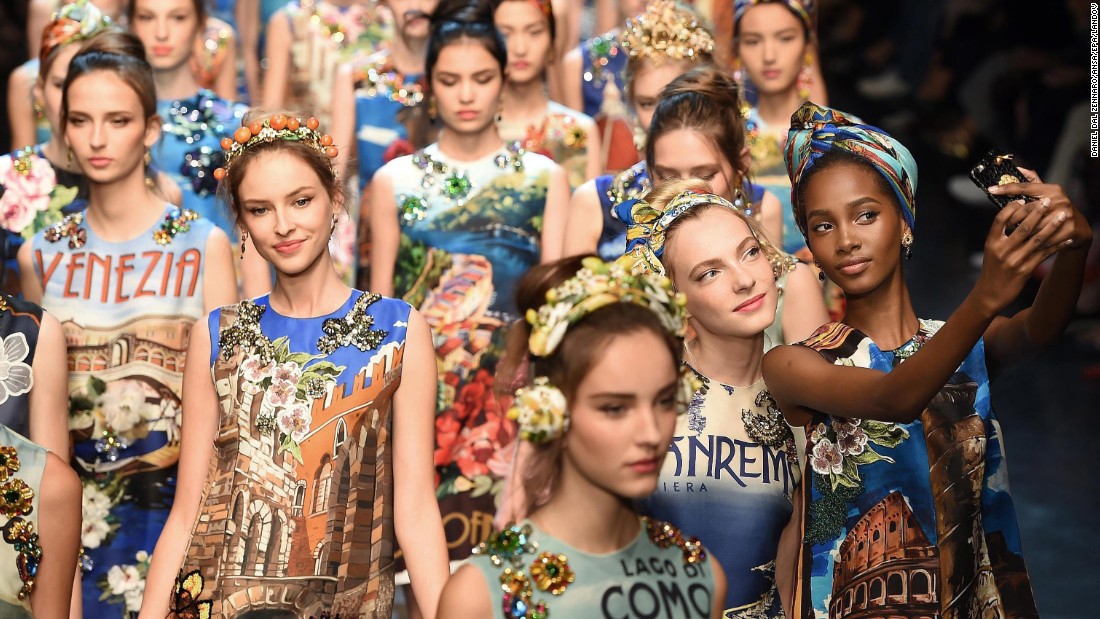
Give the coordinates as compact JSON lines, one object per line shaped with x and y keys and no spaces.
{"x":72,"y":227}
{"x":379,"y":77}
{"x":451,"y":184}
{"x":630,"y":184}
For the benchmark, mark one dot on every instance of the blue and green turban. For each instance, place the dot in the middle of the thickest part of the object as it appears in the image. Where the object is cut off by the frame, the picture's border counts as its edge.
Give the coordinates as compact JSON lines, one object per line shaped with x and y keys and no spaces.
{"x":804,"y":9}
{"x":817,"y":130}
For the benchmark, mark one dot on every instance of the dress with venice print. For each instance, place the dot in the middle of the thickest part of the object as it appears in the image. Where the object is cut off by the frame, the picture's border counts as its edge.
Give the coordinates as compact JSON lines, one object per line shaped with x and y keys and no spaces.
{"x":469,"y":231}
{"x":728,"y":478}
{"x":126,"y":309}
{"x":296,"y":518}
{"x":909,"y":520}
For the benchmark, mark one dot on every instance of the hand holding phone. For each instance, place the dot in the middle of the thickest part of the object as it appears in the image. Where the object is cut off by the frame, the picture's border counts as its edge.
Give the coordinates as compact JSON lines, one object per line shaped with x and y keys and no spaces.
{"x":997,"y":169}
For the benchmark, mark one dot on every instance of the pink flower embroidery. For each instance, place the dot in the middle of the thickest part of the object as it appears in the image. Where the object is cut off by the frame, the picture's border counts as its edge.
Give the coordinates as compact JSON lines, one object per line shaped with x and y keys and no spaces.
{"x":826,"y":459}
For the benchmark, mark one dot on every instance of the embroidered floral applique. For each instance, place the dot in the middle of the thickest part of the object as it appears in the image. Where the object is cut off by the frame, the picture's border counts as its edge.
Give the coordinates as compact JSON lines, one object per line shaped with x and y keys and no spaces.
{"x":71,"y":228}
{"x":354,"y":329}
{"x":9,"y":462}
{"x":185,"y":599}
{"x":16,"y":498}
{"x":449,"y":183}
{"x":245,"y":333}
{"x":630,"y":184}
{"x":766,"y":425}
{"x":175,"y":221}
{"x":16,"y":377}
{"x":378,"y":77}
{"x":32,"y":198}
{"x":20,"y":534}
{"x":550,"y":572}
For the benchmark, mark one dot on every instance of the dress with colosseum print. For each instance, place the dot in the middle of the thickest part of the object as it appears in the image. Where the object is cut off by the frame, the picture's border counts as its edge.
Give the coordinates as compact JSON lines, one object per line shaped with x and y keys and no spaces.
{"x":909,"y":520}
{"x":126,"y":309}
{"x":469,"y":231}
{"x":296,"y":519}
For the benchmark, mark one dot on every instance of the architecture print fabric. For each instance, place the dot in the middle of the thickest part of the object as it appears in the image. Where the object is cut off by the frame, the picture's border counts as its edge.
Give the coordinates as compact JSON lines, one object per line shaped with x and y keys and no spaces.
{"x":909,"y":520}
{"x":297,"y":513}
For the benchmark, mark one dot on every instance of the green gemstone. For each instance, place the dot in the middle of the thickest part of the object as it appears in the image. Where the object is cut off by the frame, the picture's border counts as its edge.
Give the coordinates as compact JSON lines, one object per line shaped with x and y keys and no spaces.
{"x":456,"y":185}
{"x":11,"y":496}
{"x":552,"y":569}
{"x":601,"y":47}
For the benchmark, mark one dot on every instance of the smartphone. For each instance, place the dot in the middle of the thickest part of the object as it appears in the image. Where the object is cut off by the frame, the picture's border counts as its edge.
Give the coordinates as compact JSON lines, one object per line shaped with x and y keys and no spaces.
{"x":997,"y":169}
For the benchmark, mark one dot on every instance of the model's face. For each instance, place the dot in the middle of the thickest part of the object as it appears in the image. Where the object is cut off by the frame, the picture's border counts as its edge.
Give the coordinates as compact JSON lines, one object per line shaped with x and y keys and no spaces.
{"x":854,"y":228}
{"x":411,"y":17}
{"x":466,"y":84}
{"x":649,"y":80}
{"x":168,"y":29}
{"x":686,"y":153}
{"x":772,"y":47}
{"x":49,"y":91}
{"x":623,"y":416}
{"x":285,"y":208}
{"x":717,"y":262}
{"x":526,"y":30}
{"x":107,"y":129}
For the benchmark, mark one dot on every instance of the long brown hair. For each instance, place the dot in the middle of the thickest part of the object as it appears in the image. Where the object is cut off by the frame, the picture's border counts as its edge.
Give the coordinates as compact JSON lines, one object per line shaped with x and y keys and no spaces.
{"x":579,"y":350}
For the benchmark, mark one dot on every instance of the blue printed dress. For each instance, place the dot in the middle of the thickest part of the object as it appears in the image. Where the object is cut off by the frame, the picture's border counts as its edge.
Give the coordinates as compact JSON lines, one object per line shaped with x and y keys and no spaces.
{"x":297,"y":513}
{"x":126,"y":309}
{"x":909,"y":520}
{"x":381,"y":94}
{"x":602,"y":64}
{"x":469,"y":231}
{"x":728,"y":478}
{"x":189,"y":150}
{"x":613,"y":189}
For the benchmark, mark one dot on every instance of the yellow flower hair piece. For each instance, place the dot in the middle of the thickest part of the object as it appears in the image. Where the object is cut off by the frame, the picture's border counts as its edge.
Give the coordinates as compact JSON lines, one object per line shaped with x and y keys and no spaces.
{"x":665,"y":31}
{"x":599,"y":284}
{"x":540,"y":411}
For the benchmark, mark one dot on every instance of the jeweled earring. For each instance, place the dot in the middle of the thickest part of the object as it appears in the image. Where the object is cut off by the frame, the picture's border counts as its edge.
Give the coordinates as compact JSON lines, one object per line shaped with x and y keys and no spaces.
{"x":69,"y":155}
{"x":820,"y":272}
{"x":332,"y":228}
{"x":433,"y":111}
{"x":244,"y":238}
{"x":738,"y":75}
{"x":805,"y":79}
{"x":148,"y":157}
{"x":500,"y":109}
{"x":907,"y":243}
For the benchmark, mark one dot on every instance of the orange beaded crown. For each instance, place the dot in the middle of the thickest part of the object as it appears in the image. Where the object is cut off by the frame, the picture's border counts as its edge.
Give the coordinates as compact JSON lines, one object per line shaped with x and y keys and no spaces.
{"x":278,"y":127}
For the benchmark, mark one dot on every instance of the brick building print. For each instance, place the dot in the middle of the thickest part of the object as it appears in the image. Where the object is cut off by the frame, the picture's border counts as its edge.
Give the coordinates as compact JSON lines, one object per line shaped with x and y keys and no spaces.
{"x":298,"y":539}
{"x":887,"y":569}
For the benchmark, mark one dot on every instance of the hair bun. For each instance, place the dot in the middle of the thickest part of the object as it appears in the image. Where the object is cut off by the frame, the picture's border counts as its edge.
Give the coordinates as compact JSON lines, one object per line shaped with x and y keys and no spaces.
{"x":462,"y":11}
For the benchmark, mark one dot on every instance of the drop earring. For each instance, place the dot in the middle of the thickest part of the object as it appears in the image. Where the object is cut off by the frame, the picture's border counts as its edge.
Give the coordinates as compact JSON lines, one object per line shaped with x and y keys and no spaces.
{"x":332,"y":228}
{"x":805,"y":76}
{"x":500,"y":109}
{"x":907,"y":243}
{"x":433,"y":111}
{"x":244,"y":239}
{"x":820,"y":272}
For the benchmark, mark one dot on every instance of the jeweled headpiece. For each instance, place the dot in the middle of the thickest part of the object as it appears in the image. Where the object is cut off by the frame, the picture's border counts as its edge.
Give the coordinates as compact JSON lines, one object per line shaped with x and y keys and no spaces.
{"x":665,"y":31}
{"x":277,"y":127}
{"x":541,"y":409}
{"x":73,"y":22}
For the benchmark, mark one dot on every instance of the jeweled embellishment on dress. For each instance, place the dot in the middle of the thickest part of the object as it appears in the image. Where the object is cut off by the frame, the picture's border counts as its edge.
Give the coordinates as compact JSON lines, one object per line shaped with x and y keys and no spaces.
{"x":550,"y":572}
{"x":768,"y":429}
{"x":9,"y":462}
{"x":176,"y":221}
{"x":353,"y":329}
{"x":664,"y":535}
{"x":245,"y":333}
{"x":16,"y":498}
{"x":20,"y":534}
{"x":69,"y":228}
{"x":450,"y":183}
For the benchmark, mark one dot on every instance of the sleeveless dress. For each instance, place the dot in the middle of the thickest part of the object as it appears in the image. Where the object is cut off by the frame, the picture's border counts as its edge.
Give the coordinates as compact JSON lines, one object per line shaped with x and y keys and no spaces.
{"x":19,"y":325}
{"x":729,"y":477}
{"x":909,"y":520}
{"x":21,"y":466}
{"x":766,"y":145}
{"x":602,"y":63}
{"x":562,"y":136}
{"x":469,"y":231}
{"x":189,"y":150}
{"x":659,"y":575}
{"x":126,"y":309}
{"x":381,"y":93}
{"x":612,"y":189}
{"x":297,"y":513}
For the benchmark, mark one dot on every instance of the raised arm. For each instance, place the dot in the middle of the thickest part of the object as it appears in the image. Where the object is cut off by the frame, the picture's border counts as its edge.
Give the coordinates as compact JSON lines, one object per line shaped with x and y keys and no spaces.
{"x":554,"y":215}
{"x":417,"y":522}
{"x":385,"y":233}
{"x":247,"y":15}
{"x":1008,"y":339}
{"x":584,"y":222}
{"x":200,"y":425}
{"x":277,"y":52}
{"x":802,"y":381}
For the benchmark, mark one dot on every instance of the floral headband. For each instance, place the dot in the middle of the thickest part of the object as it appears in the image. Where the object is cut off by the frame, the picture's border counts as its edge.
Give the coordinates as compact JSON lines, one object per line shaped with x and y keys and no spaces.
{"x":74,"y":22}
{"x":278,"y":127}
{"x":541,"y":409}
{"x":666,"y":30}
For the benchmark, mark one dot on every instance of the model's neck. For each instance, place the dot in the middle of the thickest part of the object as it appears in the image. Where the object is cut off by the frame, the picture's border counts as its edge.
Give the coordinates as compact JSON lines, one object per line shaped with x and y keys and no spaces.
{"x":727,"y":359}
{"x":776,"y":108}
{"x":315,"y":291}
{"x":408,"y":55}
{"x":586,"y":517}
{"x":527,"y":98}
{"x":177,"y":83}
{"x":470,"y":146}
{"x":122,"y":210}
{"x":884,"y":314}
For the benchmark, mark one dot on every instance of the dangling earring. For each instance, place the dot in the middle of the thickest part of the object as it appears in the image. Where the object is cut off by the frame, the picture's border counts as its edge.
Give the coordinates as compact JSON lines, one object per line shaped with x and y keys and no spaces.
{"x":69,"y":155}
{"x":741,"y":199}
{"x":907,"y":243}
{"x":820,"y":272}
{"x":500,"y":108}
{"x":805,"y":79}
{"x":244,"y":238}
{"x":332,"y":228}
{"x":738,"y":75}
{"x":433,"y":112}
{"x":148,"y":157}
{"x":39,"y":111}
